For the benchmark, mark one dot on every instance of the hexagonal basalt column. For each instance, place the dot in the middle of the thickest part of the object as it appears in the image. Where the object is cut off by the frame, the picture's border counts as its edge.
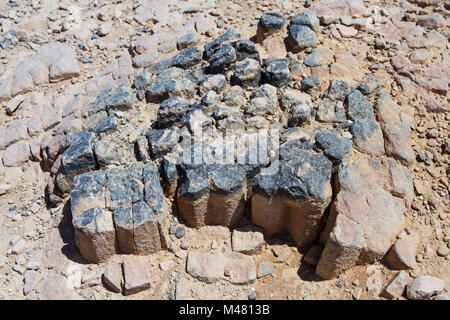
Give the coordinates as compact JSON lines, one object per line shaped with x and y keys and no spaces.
{"x":293,"y":199}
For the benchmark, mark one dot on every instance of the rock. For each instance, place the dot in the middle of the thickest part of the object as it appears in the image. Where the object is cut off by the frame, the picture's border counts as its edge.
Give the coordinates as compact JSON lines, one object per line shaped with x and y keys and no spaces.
{"x":387,"y":109}
{"x":318,"y":57}
{"x":432,"y":21}
{"x":306,"y":18}
{"x":368,"y":136}
{"x":338,"y":90}
{"x":398,"y":141}
{"x":216,"y":83}
{"x":351,"y":238}
{"x":276,"y":72}
{"x":423,"y":287}
{"x":15,"y":131}
{"x":188,"y":40}
{"x":265,"y":268}
{"x":222,"y":58}
{"x":171,"y":111}
{"x":269,"y":23}
{"x":31,"y":279}
{"x":442,"y":296}
{"x":245,"y":49}
{"x":145,"y":60}
{"x":211,"y":267}
{"x":182,"y":289}
{"x":205,"y":266}
{"x":16,"y":154}
{"x":220,"y":203}
{"x":301,"y":37}
{"x":403,"y":253}
{"x":94,"y":235}
{"x":396,"y":286}
{"x":162,"y":90}
{"x":106,"y":124}
{"x":299,"y":113}
{"x":346,"y":32}
{"x":369,"y":85}
{"x":13,"y":104}
{"x":359,"y":107}
{"x":331,"y":111}
{"x":247,"y":73}
{"x":54,"y":287}
{"x":335,"y":148}
{"x":213,"y":46}
{"x":247,"y":241}
{"x":294,"y":198}
{"x":187,"y":58}
{"x":113,"y":276}
{"x":310,"y":83}
{"x":136,"y":274}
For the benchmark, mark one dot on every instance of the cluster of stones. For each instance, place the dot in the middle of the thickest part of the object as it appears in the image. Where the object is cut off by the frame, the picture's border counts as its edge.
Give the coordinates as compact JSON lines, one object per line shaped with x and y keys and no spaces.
{"x":122,"y":210}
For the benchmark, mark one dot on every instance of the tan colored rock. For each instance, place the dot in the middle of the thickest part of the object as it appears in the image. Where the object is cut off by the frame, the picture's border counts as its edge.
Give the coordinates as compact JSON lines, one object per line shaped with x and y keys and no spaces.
{"x":136,"y":272}
{"x":423,"y":287}
{"x":396,"y":286}
{"x":247,"y":241}
{"x":113,"y":276}
{"x":403,"y":253}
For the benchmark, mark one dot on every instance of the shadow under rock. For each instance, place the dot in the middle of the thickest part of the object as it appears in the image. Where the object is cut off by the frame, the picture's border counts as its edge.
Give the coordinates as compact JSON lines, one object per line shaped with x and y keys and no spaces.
{"x":66,"y":231}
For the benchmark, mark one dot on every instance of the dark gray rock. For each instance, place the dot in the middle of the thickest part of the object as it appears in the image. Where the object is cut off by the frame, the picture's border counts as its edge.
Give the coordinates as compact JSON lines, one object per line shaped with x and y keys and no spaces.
{"x":171,"y":111}
{"x":306,"y":18}
{"x":160,"y":91}
{"x":271,"y":21}
{"x":79,"y":157}
{"x":359,"y":107}
{"x":88,"y":192}
{"x":338,"y":90}
{"x":369,"y":85}
{"x":173,"y":73}
{"x":169,"y":175}
{"x":247,"y":73}
{"x":246,"y":49}
{"x":310,"y":83}
{"x":299,"y":114}
{"x":153,"y":192}
{"x":120,"y":98}
{"x":142,"y":80}
{"x":228,"y":36}
{"x":301,"y":37}
{"x":106,"y":125}
{"x":276,"y":72}
{"x":160,"y":66}
{"x":187,"y":58}
{"x":335,"y":148}
{"x":162,"y":141}
{"x":222,"y":58}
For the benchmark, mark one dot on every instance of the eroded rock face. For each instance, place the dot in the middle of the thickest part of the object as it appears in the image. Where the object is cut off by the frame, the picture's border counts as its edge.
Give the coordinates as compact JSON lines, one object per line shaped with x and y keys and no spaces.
{"x":124,"y":204}
{"x":365,"y":218}
{"x":295,"y":198}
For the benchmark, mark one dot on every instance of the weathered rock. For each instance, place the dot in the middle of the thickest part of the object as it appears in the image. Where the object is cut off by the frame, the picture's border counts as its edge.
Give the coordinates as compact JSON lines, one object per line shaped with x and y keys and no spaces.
{"x":246,"y":49}
{"x":265,"y":268}
{"x":338,"y":90}
{"x":403,"y":253}
{"x":188,"y":40}
{"x":423,"y":287}
{"x":307,"y":18}
{"x":335,"y":148}
{"x":136,"y":272}
{"x":247,"y":241}
{"x":301,"y":37}
{"x":113,"y":276}
{"x":269,"y":23}
{"x":295,"y":197}
{"x":276,"y":72}
{"x":299,"y":113}
{"x":331,"y":111}
{"x":162,"y":90}
{"x":359,"y":107}
{"x":171,"y":111}
{"x":247,"y":73}
{"x":222,"y":58}
{"x":313,"y":255}
{"x":210,"y":267}
{"x":364,"y":219}
{"x":187,"y":58}
{"x":94,"y":234}
{"x":398,"y":141}
{"x":368,"y":136}
{"x":16,"y":154}
{"x":396,"y":286}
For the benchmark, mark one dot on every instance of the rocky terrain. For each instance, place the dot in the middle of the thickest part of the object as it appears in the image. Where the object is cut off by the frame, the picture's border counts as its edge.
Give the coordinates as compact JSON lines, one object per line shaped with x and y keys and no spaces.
{"x":195,"y":149}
